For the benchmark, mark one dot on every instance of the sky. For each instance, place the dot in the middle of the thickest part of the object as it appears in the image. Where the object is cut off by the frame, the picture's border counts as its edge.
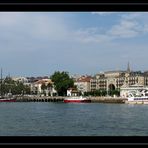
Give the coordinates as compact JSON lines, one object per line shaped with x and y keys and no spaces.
{"x":40,"y":43}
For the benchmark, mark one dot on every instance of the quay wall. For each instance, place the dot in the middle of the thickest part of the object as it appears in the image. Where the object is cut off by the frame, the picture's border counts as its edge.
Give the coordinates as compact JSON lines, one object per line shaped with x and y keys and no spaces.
{"x":60,"y":99}
{"x":39,"y":99}
{"x":108,"y":99}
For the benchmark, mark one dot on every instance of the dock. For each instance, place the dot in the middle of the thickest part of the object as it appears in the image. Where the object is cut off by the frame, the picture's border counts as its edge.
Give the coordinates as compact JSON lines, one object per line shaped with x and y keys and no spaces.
{"x":61,"y":99}
{"x":39,"y":99}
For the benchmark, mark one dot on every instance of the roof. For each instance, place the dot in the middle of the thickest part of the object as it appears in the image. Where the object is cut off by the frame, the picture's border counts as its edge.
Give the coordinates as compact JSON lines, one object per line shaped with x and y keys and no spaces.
{"x":84,"y":79}
{"x":114,"y":71}
{"x":43,"y":81}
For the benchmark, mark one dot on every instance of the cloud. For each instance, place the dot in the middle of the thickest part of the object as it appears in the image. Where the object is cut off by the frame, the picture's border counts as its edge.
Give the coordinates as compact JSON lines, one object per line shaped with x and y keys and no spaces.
{"x":35,"y":24}
{"x":48,"y":27}
{"x":131,"y":15}
{"x":129,"y":25}
{"x":40,"y":27}
{"x":9,"y":18}
{"x":30,"y":31}
{"x":88,"y":36}
{"x":39,"y":42}
{"x":125,"y":29}
{"x":103,"y":13}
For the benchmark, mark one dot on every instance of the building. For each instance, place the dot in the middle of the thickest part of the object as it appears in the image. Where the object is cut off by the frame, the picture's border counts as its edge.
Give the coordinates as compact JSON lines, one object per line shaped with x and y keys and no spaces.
{"x":36,"y":87}
{"x":125,"y":89}
{"x":114,"y":80}
{"x":83,"y":84}
{"x":72,"y":92}
{"x":109,"y":80}
{"x":20,"y":79}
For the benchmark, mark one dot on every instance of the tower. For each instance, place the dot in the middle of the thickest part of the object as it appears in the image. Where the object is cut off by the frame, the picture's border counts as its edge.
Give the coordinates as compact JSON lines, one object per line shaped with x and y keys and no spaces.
{"x":128,"y":68}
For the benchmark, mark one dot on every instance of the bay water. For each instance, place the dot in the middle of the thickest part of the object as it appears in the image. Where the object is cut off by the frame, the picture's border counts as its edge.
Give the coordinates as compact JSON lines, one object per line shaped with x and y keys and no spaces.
{"x":72,"y":119}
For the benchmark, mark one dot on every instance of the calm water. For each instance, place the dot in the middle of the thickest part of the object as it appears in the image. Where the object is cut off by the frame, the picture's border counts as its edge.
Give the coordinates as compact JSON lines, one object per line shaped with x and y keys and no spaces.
{"x":60,"y":119}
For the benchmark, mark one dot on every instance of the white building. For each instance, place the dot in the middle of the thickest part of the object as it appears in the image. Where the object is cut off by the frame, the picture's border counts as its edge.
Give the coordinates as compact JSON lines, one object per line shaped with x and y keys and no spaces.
{"x":20,"y":79}
{"x":36,"y":87}
{"x":83,"y":84}
{"x":72,"y":92}
{"x":136,"y":88}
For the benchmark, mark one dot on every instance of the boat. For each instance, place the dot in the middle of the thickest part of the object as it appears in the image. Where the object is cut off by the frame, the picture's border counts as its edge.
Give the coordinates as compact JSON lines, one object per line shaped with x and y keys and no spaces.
{"x":7,"y":99}
{"x":140,"y":98}
{"x":77,"y":99}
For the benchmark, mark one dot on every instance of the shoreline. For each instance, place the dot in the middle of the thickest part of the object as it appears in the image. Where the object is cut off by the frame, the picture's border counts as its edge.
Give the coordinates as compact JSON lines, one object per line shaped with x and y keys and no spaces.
{"x":61,"y":99}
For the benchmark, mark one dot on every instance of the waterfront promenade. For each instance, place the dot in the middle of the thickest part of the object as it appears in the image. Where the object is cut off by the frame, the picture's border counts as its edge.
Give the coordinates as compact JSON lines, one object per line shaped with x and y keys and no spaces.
{"x":61,"y":98}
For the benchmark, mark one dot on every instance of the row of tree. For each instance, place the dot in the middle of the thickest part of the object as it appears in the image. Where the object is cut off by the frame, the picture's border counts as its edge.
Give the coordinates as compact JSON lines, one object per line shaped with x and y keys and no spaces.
{"x":62,"y":82}
{"x":15,"y":87}
{"x":102,"y":93}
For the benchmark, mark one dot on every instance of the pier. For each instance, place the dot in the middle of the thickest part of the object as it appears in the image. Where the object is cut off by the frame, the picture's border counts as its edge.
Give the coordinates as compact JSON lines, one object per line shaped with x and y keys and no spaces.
{"x":61,"y":99}
{"x":39,"y":99}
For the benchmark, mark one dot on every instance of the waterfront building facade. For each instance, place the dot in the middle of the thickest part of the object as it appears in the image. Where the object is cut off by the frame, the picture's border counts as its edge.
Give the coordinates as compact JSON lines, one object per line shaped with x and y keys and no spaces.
{"x":83,"y":84}
{"x":36,"y":87}
{"x":115,"y":80}
{"x":109,"y":80}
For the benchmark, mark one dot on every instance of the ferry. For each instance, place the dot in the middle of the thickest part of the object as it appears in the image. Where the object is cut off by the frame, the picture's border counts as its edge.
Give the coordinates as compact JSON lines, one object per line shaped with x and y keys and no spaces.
{"x":138,"y":99}
{"x":77,"y":99}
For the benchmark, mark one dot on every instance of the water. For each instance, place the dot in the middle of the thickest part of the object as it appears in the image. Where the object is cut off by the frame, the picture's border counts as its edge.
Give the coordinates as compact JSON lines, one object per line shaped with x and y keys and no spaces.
{"x":61,"y":119}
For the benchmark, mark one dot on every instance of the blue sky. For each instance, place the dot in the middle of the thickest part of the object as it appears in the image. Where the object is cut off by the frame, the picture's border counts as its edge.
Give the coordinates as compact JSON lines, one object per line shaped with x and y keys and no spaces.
{"x":39,"y":43}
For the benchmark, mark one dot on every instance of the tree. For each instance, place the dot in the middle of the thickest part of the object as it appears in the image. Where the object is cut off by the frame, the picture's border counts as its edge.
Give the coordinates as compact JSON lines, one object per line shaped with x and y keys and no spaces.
{"x":62,"y":82}
{"x":44,"y":87}
{"x":15,"y":87}
{"x":27,"y":89}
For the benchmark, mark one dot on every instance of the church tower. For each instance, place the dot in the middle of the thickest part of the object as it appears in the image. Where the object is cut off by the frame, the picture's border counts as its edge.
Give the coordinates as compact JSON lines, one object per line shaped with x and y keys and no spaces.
{"x":128,"y":68}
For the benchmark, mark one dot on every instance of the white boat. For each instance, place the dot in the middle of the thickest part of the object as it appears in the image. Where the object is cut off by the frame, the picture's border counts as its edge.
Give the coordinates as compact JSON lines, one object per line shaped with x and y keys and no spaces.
{"x":141,"y":98}
{"x":77,"y":99}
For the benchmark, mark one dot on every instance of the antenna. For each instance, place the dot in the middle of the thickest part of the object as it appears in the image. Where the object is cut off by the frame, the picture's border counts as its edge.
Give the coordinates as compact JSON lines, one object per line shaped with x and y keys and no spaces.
{"x":9,"y":75}
{"x":1,"y":81}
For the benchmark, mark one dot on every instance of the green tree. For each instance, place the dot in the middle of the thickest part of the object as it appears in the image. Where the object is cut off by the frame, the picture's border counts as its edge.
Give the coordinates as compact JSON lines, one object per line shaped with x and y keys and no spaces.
{"x":15,"y":87}
{"x":27,"y":89}
{"x":62,"y":82}
{"x":44,"y":87}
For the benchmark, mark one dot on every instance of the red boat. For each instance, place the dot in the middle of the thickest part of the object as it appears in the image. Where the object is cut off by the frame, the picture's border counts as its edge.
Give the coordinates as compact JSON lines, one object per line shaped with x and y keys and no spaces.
{"x":77,"y":99}
{"x":7,"y":99}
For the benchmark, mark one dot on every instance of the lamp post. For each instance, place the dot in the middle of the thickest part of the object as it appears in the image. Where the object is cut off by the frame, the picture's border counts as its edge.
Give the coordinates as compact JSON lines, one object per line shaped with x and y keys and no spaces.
{"x":107,"y":87}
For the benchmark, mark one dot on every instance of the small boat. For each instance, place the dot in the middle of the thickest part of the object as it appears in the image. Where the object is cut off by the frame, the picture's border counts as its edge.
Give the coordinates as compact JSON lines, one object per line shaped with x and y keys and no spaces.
{"x":7,"y":99}
{"x":77,"y":99}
